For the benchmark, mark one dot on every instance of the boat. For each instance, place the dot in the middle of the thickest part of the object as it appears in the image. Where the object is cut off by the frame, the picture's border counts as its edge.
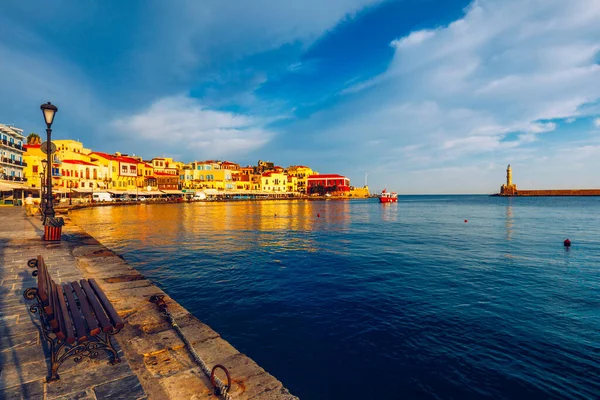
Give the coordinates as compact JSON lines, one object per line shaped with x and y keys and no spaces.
{"x":388,"y":197}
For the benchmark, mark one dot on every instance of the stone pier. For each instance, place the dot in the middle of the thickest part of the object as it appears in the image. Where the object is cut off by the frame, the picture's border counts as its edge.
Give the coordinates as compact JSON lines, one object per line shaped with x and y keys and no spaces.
{"x":155,"y":362}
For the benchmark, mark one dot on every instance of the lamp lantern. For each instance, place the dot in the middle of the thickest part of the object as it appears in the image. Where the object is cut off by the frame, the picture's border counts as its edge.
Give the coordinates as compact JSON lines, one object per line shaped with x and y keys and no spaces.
{"x":49,"y":111}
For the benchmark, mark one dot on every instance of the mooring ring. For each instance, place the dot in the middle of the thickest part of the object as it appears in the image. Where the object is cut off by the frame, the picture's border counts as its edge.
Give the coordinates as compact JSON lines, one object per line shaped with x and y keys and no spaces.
{"x":212,"y":379}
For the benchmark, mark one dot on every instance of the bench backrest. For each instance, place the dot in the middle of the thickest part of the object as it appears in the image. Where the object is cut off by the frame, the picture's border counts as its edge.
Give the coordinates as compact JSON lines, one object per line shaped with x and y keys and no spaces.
{"x":75,"y":310}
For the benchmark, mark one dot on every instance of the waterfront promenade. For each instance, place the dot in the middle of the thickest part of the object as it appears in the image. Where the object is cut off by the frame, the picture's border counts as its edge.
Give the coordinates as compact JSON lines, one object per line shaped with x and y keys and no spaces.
{"x":155,"y":363}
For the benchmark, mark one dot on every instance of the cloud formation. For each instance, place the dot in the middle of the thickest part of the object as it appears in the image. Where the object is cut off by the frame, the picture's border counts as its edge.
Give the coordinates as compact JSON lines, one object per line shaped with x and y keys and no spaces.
{"x":181,"y":125}
{"x":486,"y":84}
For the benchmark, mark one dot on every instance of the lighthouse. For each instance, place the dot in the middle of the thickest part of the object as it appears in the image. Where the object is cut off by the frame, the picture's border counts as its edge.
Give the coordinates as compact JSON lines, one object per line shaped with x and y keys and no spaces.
{"x":509,"y":189}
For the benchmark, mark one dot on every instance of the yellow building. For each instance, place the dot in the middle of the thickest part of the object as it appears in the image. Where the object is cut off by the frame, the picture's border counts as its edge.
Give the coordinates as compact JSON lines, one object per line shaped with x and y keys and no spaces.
{"x":122,"y":171}
{"x":292,"y":184}
{"x":72,"y":168}
{"x":207,"y":175}
{"x":275,"y":182}
{"x":301,"y":172}
{"x":359,"y":192}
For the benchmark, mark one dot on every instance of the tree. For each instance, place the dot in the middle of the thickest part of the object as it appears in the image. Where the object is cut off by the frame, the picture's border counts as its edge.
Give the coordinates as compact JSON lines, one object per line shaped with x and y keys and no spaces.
{"x":34,"y":138}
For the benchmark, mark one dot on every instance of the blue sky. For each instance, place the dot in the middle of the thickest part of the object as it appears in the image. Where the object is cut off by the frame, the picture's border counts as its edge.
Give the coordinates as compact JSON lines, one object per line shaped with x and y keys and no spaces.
{"x":425,"y":96}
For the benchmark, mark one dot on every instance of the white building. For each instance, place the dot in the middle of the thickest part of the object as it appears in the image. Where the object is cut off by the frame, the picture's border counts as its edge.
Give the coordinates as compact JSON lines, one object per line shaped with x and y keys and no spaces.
{"x":11,"y":154}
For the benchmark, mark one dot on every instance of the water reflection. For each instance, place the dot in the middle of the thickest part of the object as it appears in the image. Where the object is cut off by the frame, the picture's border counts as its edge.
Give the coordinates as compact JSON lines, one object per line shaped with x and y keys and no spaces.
{"x":217,"y":227}
{"x":509,"y":220}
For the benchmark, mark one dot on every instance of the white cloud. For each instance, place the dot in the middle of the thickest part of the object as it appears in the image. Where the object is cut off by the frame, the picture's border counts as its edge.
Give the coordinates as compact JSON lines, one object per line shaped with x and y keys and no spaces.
{"x":506,"y":67}
{"x":413,"y":39}
{"x":181,"y":124}
{"x":597,"y":122}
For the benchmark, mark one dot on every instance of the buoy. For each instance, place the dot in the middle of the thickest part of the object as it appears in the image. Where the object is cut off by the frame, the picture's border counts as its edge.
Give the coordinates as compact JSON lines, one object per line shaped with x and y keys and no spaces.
{"x":466,"y":220}
{"x":318,"y":215}
{"x":567,"y":243}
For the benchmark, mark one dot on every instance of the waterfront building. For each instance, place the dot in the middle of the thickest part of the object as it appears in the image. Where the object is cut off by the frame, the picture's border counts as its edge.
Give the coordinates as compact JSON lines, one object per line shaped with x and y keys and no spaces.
{"x":209,"y":175}
{"x":33,"y":157}
{"x":164,"y":164}
{"x":328,"y":183}
{"x":359,"y":192}
{"x":292,"y":184}
{"x":275,"y":182}
{"x":122,"y":171}
{"x":167,"y":181}
{"x":146,"y":172}
{"x":301,"y":172}
{"x":12,"y":165}
{"x":263,"y":166}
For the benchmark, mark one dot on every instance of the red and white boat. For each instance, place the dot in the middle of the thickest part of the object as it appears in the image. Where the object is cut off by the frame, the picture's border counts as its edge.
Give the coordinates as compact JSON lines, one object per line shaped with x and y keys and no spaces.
{"x":387,"y":197}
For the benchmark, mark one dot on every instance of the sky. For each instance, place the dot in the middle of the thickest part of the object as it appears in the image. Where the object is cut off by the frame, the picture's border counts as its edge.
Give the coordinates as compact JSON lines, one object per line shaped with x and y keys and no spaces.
{"x":421,"y":96}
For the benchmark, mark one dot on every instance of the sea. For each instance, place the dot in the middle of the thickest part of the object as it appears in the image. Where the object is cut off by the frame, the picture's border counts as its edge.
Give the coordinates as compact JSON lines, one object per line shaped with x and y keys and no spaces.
{"x":433,"y":297}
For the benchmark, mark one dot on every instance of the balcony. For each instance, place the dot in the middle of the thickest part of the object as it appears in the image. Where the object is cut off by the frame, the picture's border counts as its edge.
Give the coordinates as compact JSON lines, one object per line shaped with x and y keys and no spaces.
{"x":7,"y":160}
{"x":12,"y":144}
{"x":13,"y":178}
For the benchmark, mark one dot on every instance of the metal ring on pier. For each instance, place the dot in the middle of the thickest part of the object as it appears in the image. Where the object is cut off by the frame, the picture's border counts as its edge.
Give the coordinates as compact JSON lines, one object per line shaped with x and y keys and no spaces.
{"x":32,"y":263}
{"x":213,"y":383}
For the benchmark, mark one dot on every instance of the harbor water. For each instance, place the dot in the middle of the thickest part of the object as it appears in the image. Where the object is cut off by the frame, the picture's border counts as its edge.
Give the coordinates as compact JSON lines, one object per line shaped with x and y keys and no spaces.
{"x":434,"y":297}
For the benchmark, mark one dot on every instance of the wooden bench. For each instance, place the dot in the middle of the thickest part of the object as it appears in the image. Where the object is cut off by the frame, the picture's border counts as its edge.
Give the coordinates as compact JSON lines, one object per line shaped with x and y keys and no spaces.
{"x":77,"y":318}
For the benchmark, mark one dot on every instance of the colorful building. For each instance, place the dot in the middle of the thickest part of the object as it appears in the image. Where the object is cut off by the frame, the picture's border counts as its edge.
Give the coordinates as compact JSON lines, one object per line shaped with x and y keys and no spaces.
{"x":301,"y":172}
{"x":359,"y":192}
{"x":275,"y":182}
{"x":328,"y":183}
{"x":12,"y":165}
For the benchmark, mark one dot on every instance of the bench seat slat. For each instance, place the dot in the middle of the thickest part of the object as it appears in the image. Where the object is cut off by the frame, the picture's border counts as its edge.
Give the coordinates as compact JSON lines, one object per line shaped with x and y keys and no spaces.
{"x":66,"y":317}
{"x":78,"y":318}
{"x":108,"y":307}
{"x":42,"y":280}
{"x":98,"y":310}
{"x":90,"y":320}
{"x":59,"y":331}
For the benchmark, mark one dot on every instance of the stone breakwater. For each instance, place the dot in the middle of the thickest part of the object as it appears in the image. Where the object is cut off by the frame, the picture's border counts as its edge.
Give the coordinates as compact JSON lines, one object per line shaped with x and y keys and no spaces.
{"x":156,"y":363}
{"x":558,"y":192}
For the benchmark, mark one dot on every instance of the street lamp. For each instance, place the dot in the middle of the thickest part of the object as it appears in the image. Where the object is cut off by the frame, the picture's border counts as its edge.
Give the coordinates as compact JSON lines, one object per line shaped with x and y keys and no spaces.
{"x":49,"y":110}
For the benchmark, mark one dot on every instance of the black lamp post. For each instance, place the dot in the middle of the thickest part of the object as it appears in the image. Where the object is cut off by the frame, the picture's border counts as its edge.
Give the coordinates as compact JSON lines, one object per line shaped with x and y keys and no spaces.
{"x":42,"y":179}
{"x":70,"y":193}
{"x":43,"y":191}
{"x":49,"y":110}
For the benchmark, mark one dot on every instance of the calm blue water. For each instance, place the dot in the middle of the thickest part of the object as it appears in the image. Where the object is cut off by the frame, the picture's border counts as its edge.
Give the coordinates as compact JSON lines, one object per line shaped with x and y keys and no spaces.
{"x":392,"y":301}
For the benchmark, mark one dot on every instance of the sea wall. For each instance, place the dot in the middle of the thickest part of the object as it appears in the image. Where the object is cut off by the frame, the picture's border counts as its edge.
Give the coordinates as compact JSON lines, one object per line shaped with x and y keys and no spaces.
{"x":559,"y":192}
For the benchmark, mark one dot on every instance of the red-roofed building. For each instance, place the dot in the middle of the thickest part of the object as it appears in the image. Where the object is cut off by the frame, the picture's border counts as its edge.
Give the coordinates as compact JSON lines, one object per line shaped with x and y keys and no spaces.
{"x":328,"y":183}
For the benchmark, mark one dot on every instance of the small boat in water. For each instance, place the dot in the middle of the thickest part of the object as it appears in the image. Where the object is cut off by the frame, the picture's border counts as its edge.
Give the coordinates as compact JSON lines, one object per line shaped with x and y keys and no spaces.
{"x":387,"y":197}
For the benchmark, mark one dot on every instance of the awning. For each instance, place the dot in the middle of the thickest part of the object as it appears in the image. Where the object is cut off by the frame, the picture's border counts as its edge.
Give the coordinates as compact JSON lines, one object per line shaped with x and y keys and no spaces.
{"x":117,"y":191}
{"x":6,"y":187}
{"x":150,"y":193}
{"x":172,"y":191}
{"x":83,"y":190}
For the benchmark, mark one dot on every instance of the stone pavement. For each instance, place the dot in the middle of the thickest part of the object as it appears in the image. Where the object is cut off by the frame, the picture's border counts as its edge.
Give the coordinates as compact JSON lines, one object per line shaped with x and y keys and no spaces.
{"x":155,"y":363}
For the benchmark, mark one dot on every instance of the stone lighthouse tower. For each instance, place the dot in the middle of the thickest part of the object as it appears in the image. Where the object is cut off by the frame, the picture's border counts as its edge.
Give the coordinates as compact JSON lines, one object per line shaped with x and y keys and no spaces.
{"x":510,"y":189}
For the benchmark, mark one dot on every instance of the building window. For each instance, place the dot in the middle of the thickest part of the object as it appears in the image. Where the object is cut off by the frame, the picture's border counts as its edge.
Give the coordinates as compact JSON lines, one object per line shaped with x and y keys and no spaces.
{"x":35,"y":169}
